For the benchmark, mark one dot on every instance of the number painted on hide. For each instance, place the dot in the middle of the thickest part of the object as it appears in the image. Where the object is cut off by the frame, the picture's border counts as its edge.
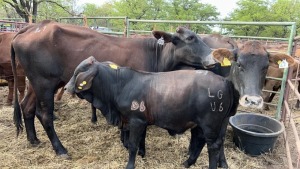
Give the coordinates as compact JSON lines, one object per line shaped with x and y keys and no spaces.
{"x":135,"y":105}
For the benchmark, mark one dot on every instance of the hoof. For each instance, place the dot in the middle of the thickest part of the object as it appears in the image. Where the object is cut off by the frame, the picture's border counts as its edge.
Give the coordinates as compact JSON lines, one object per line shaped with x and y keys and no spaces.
{"x":55,"y":117}
{"x":34,"y":142}
{"x":141,"y":153}
{"x":94,"y":121}
{"x":223,"y":165}
{"x":64,"y":156}
{"x":186,"y":164}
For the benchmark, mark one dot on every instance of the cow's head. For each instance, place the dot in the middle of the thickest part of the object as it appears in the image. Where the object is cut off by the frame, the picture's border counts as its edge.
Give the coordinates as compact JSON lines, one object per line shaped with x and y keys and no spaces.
{"x":187,"y":48}
{"x":83,"y":76}
{"x":249,"y":66}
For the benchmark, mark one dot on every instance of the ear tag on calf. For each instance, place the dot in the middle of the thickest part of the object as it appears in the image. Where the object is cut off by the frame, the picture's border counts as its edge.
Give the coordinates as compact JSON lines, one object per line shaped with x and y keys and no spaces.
{"x":226,"y":62}
{"x":113,"y":66}
{"x":161,"y":41}
{"x":82,"y":83}
{"x":79,"y":87}
{"x":283,"y":64}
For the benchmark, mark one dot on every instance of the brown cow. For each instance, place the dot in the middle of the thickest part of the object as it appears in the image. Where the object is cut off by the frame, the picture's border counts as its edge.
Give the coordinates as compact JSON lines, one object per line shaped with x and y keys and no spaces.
{"x":275,"y":71}
{"x":218,"y":41}
{"x":6,"y":69}
{"x":50,"y":51}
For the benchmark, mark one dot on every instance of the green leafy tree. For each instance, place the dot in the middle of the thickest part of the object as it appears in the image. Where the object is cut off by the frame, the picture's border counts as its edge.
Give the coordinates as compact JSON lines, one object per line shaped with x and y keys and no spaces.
{"x":140,"y":9}
{"x":284,"y":11}
{"x":28,"y":9}
{"x":252,"y":11}
{"x":265,"y":11}
{"x":195,"y":11}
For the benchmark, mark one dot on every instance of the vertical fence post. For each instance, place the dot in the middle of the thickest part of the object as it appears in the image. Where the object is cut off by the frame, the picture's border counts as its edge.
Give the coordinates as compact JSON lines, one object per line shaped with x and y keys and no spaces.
{"x":291,"y":38}
{"x":127,"y":27}
{"x":286,"y":94}
{"x":282,"y":90}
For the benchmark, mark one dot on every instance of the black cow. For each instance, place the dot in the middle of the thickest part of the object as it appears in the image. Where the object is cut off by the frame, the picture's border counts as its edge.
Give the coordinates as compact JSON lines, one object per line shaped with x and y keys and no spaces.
{"x":49,"y":53}
{"x":175,"y":101}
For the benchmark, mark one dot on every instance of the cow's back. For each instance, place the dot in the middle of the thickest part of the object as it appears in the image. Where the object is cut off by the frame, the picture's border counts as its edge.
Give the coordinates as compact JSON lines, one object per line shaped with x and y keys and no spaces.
{"x":59,"y":48}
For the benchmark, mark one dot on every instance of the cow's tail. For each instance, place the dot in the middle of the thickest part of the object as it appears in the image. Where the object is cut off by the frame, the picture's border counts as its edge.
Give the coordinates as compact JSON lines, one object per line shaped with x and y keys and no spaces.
{"x":17,"y":109}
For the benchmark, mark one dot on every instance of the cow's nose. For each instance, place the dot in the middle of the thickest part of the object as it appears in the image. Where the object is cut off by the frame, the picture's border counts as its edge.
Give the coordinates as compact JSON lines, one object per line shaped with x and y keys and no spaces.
{"x":251,"y":101}
{"x":68,"y":87}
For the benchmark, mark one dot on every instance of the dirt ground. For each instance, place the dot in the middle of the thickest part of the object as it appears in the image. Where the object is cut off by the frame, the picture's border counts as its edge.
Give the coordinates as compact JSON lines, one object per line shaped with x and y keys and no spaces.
{"x":99,"y":146}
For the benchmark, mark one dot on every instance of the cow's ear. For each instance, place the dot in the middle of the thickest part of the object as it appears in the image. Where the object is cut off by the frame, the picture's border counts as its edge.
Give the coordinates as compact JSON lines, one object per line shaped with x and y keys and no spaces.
{"x":167,"y":37}
{"x":83,"y":81}
{"x":276,"y":58}
{"x":224,"y":56}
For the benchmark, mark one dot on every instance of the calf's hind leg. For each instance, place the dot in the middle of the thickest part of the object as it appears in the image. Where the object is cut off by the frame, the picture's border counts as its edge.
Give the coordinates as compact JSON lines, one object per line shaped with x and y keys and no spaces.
{"x":196,"y":145}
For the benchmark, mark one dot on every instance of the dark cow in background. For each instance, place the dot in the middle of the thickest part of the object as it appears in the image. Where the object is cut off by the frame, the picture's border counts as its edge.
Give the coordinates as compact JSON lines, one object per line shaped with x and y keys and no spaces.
{"x":49,"y":53}
{"x":179,"y":100}
{"x":216,"y":41}
{"x":6,"y":69}
{"x":213,"y":41}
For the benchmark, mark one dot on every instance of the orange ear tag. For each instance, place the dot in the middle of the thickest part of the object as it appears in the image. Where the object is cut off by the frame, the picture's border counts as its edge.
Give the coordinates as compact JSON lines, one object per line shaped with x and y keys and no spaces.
{"x":113,"y":66}
{"x":226,"y":62}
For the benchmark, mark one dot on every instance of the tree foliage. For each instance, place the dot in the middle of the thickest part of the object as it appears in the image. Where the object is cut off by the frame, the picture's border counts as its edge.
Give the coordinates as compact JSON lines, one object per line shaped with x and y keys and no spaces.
{"x":28,"y":9}
{"x":194,"y":10}
{"x":264,"y":11}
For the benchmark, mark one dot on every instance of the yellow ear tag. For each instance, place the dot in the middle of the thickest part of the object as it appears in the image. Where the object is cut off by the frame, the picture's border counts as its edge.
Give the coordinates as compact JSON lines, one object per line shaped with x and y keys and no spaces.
{"x":279,"y":61}
{"x":226,"y":62}
{"x":82,"y":83}
{"x":113,"y":66}
{"x":79,"y":87}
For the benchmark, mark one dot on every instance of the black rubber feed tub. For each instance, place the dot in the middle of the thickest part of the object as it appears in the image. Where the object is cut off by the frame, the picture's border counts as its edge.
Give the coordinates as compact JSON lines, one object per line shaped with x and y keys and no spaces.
{"x":254,"y":133}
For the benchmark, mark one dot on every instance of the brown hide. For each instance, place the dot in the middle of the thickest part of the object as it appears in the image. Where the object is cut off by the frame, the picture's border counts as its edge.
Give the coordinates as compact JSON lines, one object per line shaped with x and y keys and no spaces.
{"x":6,"y":68}
{"x":275,"y":71}
{"x":218,"y":41}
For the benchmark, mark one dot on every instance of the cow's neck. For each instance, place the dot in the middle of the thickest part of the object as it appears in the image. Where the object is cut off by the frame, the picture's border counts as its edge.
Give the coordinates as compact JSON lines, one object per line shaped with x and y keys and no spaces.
{"x":166,"y":61}
{"x":235,"y":97}
{"x":231,"y":78}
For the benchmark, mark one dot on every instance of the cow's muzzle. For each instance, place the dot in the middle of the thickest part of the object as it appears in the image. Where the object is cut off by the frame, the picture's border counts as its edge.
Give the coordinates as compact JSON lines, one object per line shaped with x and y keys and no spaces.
{"x":69,"y":88}
{"x":251,"y":101}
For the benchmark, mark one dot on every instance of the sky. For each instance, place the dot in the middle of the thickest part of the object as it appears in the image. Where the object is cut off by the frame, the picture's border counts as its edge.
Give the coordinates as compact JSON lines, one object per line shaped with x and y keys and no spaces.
{"x":223,"y":6}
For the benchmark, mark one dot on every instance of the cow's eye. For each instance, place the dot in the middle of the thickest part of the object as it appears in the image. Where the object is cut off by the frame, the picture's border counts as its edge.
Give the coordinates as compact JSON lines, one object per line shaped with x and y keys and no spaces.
{"x":190,"y":38}
{"x":239,"y":65}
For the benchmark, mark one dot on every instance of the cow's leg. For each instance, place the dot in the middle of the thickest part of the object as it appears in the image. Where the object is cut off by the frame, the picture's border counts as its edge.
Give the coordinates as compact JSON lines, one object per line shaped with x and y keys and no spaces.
{"x":21,"y":82}
{"x":142,"y":146}
{"x":28,"y":108}
{"x":125,"y":137}
{"x":196,"y":145}
{"x":21,"y":86}
{"x":137,"y":128}
{"x":94,"y":115}
{"x":297,"y":106}
{"x":222,"y":159}
{"x":44,"y":112}
{"x":60,"y":94}
{"x":10,"y":92}
{"x":214,"y":148}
